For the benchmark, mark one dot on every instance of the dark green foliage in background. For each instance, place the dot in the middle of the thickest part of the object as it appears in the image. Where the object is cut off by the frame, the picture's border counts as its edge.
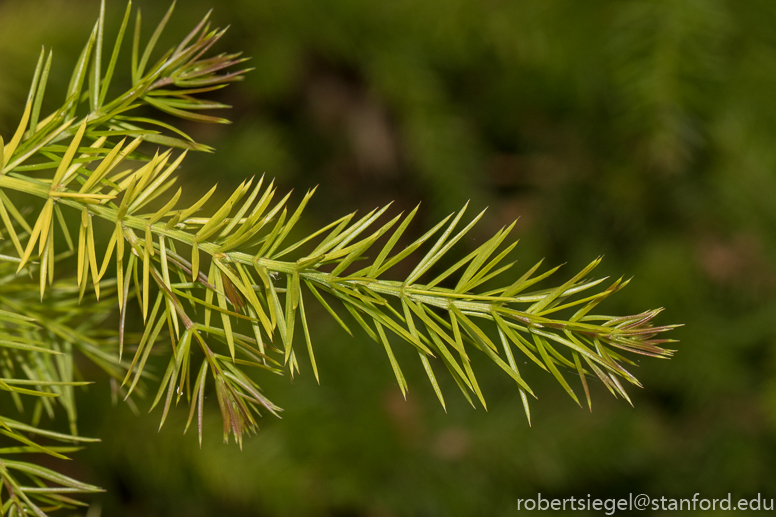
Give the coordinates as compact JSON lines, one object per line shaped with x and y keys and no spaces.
{"x":642,"y":130}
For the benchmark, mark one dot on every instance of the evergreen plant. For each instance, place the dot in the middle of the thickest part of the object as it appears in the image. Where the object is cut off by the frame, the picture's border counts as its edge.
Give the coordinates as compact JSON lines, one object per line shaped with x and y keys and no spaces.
{"x":224,"y":296}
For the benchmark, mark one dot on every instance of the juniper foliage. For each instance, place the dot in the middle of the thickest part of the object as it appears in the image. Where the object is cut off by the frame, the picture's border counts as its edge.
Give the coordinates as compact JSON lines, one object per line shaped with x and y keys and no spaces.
{"x":224,"y":296}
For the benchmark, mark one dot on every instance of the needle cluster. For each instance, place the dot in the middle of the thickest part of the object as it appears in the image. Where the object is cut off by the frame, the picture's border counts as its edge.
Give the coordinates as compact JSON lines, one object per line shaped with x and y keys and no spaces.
{"x":225,"y":295}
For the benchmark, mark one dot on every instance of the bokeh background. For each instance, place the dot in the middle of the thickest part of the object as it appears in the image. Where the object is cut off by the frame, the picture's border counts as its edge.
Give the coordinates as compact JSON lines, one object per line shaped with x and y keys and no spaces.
{"x":642,"y":130}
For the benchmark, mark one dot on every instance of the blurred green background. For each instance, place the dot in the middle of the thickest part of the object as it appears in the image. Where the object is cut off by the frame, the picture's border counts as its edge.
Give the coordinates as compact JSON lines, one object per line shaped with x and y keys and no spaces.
{"x":641,"y":130}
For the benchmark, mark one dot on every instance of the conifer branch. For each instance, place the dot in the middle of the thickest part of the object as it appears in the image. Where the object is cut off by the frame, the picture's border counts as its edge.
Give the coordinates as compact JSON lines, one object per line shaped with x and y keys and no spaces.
{"x":230,"y":291}
{"x":37,"y":347}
